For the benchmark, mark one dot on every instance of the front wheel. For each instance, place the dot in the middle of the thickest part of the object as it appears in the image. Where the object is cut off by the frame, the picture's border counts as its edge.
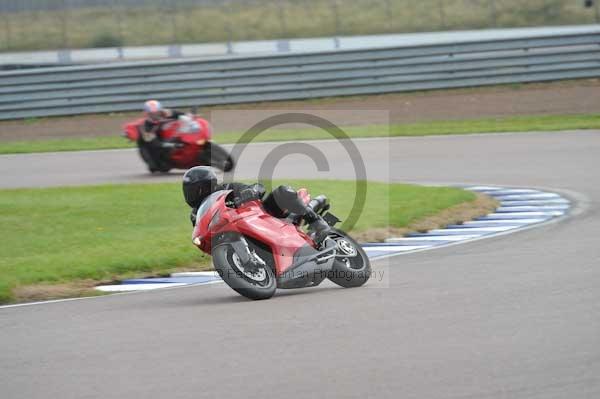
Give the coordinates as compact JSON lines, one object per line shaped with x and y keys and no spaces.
{"x":351,"y":267}
{"x":254,"y":280}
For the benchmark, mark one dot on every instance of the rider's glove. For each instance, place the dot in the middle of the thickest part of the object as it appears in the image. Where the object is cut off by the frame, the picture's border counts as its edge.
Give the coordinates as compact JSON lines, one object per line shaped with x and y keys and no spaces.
{"x":246,"y":195}
{"x":259,"y":189}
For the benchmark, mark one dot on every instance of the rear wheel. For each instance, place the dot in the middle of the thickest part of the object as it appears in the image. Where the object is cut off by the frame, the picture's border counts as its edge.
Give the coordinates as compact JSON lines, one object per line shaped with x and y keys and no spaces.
{"x":351,"y":267}
{"x":217,"y":156}
{"x":254,"y":280}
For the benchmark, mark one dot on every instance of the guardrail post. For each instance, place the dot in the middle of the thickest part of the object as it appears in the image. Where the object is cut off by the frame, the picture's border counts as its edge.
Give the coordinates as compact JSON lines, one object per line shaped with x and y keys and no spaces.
{"x":174,"y":51}
{"x":64,"y":56}
{"x":283,"y":46}
{"x":228,"y":27}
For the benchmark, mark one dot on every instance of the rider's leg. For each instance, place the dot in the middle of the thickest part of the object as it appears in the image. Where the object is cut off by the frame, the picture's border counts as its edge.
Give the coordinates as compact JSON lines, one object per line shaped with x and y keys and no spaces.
{"x":162,"y":150}
{"x":148,"y":155}
{"x":284,"y":199}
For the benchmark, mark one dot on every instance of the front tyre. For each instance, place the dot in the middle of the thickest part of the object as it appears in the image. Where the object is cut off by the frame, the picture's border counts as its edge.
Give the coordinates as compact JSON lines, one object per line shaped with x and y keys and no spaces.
{"x":351,"y":267}
{"x":256,"y":281}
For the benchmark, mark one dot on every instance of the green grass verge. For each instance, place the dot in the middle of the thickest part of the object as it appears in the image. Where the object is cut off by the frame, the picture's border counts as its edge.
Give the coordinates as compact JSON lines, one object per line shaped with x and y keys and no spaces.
{"x":469,"y":126}
{"x":61,"y":235}
{"x":70,"y":144}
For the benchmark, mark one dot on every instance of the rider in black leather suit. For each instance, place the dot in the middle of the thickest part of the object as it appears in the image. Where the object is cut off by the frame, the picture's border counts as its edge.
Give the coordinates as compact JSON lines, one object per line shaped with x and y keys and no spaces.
{"x":200,"y":181}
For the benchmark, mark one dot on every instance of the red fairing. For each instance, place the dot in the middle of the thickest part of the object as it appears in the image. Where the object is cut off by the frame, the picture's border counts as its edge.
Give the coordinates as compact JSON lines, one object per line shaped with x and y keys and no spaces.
{"x":251,"y":220}
{"x":185,"y":157}
{"x":172,"y":129}
{"x":131,"y":129}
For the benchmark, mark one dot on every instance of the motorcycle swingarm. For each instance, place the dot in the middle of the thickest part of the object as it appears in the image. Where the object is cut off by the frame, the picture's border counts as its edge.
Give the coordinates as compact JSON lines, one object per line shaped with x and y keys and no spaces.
{"x":310,"y":268}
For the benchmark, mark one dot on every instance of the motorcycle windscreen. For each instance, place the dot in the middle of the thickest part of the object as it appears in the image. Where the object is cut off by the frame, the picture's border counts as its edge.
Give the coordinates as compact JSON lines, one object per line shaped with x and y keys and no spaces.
{"x":209,"y":202}
{"x":204,"y":208}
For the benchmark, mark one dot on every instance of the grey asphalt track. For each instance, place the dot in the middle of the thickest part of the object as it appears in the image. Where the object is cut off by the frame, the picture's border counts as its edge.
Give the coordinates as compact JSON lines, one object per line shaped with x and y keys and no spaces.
{"x":511,"y":317}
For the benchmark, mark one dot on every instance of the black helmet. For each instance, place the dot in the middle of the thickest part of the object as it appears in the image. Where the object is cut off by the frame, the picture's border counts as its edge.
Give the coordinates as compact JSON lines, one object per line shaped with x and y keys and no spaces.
{"x":198,"y":183}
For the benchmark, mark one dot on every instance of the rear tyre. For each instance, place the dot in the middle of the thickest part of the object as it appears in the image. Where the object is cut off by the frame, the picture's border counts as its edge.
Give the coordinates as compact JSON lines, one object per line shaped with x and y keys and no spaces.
{"x":216,"y":156}
{"x":351,"y":267}
{"x":252,"y":281}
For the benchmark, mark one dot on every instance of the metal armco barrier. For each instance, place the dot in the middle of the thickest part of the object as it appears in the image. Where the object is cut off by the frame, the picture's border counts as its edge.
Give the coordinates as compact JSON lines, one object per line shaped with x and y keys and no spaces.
{"x":182,"y":83}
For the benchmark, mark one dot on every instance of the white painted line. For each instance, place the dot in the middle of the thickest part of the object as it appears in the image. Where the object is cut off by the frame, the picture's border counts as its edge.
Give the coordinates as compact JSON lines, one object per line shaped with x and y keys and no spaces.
{"x":483,"y":188}
{"x":196,"y":274}
{"x":507,"y":192}
{"x":474,"y":229}
{"x":395,"y":248}
{"x":20,"y":305}
{"x":509,"y":215}
{"x":527,"y":196}
{"x":505,"y":221}
{"x":137,"y":287}
{"x":542,"y":202}
{"x":433,"y":238}
{"x":528,"y":208}
{"x":520,"y":191}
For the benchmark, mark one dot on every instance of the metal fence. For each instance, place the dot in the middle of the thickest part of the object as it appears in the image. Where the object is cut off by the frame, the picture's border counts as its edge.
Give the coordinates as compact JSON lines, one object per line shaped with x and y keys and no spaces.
{"x":55,"y":24}
{"x":123,"y":87}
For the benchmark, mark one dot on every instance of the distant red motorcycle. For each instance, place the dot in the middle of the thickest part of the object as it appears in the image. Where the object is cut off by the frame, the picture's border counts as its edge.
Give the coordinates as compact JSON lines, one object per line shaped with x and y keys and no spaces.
{"x":187,"y":143}
{"x":255,"y":253}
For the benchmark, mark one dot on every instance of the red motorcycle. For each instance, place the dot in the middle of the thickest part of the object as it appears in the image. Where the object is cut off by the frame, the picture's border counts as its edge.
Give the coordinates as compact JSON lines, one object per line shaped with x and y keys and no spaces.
{"x":255,"y":253}
{"x":186,"y":143}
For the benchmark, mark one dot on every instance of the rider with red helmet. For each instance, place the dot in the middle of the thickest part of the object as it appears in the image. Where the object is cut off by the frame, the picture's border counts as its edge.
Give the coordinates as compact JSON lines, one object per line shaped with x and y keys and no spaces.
{"x":156,"y":117}
{"x":150,"y":138}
